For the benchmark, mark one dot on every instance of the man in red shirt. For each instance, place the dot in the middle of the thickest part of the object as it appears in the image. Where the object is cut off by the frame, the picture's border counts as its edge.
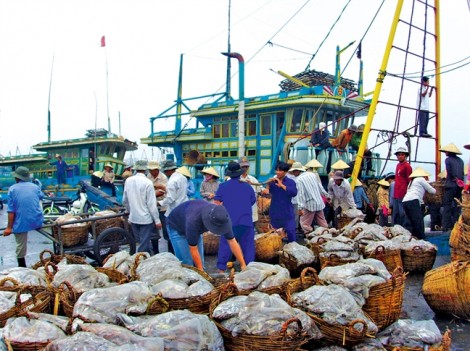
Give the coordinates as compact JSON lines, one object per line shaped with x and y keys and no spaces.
{"x":402,"y":179}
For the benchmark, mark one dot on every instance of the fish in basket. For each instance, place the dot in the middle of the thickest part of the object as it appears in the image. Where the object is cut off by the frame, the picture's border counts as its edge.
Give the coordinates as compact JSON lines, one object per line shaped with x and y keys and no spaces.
{"x":418,"y":256}
{"x":69,"y":231}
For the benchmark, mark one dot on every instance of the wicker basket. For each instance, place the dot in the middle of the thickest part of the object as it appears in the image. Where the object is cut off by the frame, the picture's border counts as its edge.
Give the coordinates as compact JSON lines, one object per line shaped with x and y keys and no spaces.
{"x":465,"y":204}
{"x":391,"y":258}
{"x":263,"y":224}
{"x":343,"y":221}
{"x":332,"y":260}
{"x":211,"y":243}
{"x":39,"y":302}
{"x":71,"y":259}
{"x":71,"y":234}
{"x":196,"y":304}
{"x":435,"y":199}
{"x":447,"y":289}
{"x":246,"y":342}
{"x":418,"y":260}
{"x":102,"y":224}
{"x":289,"y":262}
{"x":263,"y":203}
{"x":385,"y":300}
{"x":268,"y":246}
{"x":444,"y":346}
{"x":66,"y":296}
{"x":308,"y":278}
{"x":459,"y":241}
{"x":345,"y":335}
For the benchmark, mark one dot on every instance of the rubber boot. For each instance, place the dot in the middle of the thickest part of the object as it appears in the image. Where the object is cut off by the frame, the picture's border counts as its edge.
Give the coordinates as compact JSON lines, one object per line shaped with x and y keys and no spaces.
{"x":21,"y":262}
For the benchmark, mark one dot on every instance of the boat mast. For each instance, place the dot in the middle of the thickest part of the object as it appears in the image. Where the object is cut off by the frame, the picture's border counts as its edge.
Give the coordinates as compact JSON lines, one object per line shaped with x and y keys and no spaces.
{"x":49,"y":104}
{"x":437,"y":25}
{"x":228,"y":85}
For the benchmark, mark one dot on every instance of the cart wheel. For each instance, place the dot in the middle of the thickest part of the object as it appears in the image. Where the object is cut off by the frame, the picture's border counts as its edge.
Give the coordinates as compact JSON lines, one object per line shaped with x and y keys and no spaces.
{"x":113,"y":240}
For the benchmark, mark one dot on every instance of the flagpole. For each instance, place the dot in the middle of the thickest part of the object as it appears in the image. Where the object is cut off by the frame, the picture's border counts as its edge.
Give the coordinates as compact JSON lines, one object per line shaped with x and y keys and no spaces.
{"x":103,"y":45}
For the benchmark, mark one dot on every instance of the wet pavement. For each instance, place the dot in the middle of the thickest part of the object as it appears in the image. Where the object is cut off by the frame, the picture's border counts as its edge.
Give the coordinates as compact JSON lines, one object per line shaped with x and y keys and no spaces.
{"x":414,"y":305}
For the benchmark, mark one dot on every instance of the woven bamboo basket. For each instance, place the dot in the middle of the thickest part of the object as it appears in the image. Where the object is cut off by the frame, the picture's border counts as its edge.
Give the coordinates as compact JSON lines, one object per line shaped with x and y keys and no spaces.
{"x":211,"y":243}
{"x":26,"y":346}
{"x":196,"y":304}
{"x":343,"y":221}
{"x":308,"y":278}
{"x":51,"y":257}
{"x":316,"y":249}
{"x":444,"y":346}
{"x":246,"y":342}
{"x":66,"y":296}
{"x":263,"y":224}
{"x":9,"y":284}
{"x":268,"y":246}
{"x":418,"y":260}
{"x":385,"y":300}
{"x":435,"y":199}
{"x":391,"y":258}
{"x":263,"y":203}
{"x":465,"y":204}
{"x":289,"y":262}
{"x":39,"y":302}
{"x":332,"y":260}
{"x":102,"y":224}
{"x":459,"y":241}
{"x":447,"y":289}
{"x":72,"y":234}
{"x":346,"y":335}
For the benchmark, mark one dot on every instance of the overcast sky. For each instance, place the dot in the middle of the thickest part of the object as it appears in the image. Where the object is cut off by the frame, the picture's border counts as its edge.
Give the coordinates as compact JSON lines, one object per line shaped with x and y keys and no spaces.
{"x":144,"y":40}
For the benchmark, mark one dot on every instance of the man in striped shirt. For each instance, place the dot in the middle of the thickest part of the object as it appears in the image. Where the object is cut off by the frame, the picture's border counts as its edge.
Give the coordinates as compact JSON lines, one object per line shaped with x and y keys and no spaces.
{"x":309,"y":198}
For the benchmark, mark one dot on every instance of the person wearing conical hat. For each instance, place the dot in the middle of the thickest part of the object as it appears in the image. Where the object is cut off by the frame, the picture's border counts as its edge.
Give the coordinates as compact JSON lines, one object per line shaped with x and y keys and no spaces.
{"x":309,"y":199}
{"x":360,"y":197}
{"x":108,"y":178}
{"x":413,"y":201}
{"x":383,"y":203}
{"x":190,"y":189}
{"x":453,"y":186}
{"x":210,"y":184}
{"x":312,"y":166}
{"x":246,"y":177}
{"x":402,"y":179}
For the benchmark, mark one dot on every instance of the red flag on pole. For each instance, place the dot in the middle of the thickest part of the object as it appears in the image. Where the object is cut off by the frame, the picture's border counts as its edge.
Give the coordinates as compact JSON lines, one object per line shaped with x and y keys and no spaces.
{"x":103,"y":42}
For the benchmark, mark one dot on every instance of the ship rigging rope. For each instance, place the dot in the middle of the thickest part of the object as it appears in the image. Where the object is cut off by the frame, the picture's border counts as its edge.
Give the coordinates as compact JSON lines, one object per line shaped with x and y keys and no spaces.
{"x":418,"y":74}
{"x":327,"y":34}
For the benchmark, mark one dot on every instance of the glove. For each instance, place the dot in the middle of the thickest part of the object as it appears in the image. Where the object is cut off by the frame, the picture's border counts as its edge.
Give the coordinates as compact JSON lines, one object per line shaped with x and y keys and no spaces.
{"x":371,"y":206}
{"x":385,"y":210}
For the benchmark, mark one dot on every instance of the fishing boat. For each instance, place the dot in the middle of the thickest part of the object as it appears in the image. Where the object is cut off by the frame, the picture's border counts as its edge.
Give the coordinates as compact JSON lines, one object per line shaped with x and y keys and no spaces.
{"x":82,"y":155}
{"x":275,"y":127}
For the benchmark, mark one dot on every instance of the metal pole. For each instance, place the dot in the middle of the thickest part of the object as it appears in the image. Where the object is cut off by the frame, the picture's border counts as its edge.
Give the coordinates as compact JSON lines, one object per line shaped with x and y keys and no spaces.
{"x":49,"y":104}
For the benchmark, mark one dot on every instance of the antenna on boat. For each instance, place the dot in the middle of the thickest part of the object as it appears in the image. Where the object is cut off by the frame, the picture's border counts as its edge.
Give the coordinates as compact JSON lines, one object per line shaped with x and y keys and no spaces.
{"x":49,"y":104}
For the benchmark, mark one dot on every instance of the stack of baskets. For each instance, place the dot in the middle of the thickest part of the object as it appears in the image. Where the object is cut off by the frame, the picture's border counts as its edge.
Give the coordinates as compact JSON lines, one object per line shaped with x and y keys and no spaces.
{"x":211,"y":243}
{"x":459,"y":240}
{"x":48,"y":256}
{"x":263,"y":224}
{"x":74,"y":233}
{"x":447,"y":289}
{"x":267,"y":246}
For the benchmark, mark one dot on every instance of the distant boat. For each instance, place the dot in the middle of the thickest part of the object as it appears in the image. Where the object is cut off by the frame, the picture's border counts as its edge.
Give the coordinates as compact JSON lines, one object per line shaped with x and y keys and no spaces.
{"x":79,"y":154}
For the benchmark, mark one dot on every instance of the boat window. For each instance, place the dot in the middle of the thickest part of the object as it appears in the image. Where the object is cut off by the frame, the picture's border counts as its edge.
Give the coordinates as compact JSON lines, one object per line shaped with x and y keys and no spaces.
{"x":216,"y":130}
{"x":225,"y":130}
{"x":265,"y":124}
{"x":296,"y":122}
{"x":250,"y":128}
{"x":216,"y":153}
{"x":310,"y":120}
{"x":233,"y":153}
{"x":251,"y":152}
{"x":208,"y":154}
{"x":224,"y":153}
{"x":233,"y":129}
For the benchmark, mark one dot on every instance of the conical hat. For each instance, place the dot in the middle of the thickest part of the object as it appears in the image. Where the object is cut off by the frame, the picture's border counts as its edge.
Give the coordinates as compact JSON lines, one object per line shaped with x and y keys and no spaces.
{"x":210,"y":170}
{"x":451,"y":148}
{"x":358,"y":182}
{"x":313,"y":164}
{"x":340,"y":164}
{"x":383,"y":182}
{"x":184,"y":171}
{"x":297,"y":166}
{"x":419,"y":172}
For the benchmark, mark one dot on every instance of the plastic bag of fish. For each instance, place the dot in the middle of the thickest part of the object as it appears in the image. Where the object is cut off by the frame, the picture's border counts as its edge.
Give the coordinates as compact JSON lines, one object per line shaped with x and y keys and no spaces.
{"x":181,"y":330}
{"x":263,"y":315}
{"x":332,"y":303}
{"x":259,"y":275}
{"x":104,"y":304}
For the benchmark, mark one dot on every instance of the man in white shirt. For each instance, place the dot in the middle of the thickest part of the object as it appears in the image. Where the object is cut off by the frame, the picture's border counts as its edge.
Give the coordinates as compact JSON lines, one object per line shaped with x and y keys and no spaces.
{"x":139,"y":200}
{"x":176,"y":188}
{"x":424,"y":93}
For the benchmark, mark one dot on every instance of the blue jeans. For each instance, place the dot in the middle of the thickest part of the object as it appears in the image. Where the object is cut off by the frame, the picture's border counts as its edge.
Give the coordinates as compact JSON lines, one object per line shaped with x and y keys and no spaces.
{"x":143,"y":233}
{"x":181,"y":247}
